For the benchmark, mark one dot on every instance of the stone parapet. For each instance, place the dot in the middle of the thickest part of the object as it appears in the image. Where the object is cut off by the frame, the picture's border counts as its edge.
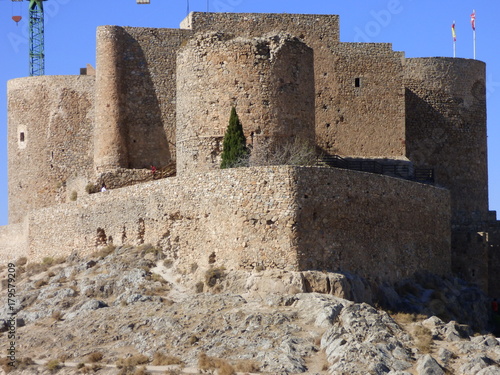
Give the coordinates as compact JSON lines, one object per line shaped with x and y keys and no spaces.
{"x":293,"y":218}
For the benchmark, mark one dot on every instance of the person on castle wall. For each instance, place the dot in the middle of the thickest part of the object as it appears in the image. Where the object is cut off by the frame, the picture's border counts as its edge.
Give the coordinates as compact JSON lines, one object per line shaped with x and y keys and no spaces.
{"x":103,"y":187}
{"x":494,"y":306}
{"x":153,"y":171}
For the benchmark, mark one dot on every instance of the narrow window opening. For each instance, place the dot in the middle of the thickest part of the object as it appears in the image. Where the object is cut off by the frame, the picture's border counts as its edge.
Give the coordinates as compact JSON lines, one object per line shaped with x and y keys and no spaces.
{"x":21,"y":137}
{"x":357,"y":82}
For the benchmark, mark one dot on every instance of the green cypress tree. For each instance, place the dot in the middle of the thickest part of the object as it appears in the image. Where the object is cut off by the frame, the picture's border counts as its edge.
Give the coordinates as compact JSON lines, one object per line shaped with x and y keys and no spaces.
{"x":234,"y":146}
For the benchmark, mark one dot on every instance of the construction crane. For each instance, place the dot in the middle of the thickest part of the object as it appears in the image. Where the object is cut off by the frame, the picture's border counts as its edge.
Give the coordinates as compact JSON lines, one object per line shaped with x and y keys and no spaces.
{"x":36,"y":35}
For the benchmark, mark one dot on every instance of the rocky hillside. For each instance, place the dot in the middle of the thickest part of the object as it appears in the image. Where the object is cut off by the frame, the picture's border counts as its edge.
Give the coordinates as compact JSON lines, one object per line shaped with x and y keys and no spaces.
{"x":129,"y":310}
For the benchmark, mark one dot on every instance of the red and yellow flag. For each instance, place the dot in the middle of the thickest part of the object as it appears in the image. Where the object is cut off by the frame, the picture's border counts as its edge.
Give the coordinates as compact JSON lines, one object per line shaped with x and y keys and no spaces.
{"x":453,"y":32}
{"x":473,"y":20}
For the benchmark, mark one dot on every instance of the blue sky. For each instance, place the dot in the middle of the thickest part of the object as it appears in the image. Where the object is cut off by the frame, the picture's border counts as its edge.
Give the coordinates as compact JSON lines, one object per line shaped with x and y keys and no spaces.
{"x":420,"y":28}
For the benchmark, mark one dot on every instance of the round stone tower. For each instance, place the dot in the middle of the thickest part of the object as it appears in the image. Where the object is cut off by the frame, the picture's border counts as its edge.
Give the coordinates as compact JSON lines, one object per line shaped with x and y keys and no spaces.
{"x":446,"y":131}
{"x":110,"y":132}
{"x":269,"y":80}
{"x":50,"y":140}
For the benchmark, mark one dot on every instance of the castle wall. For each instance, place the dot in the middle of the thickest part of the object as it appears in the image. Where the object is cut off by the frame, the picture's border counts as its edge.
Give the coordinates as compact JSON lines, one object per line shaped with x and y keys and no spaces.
{"x":324,"y":27}
{"x":494,"y":259}
{"x":269,"y":81}
{"x":13,"y":241}
{"x":50,"y":128}
{"x":226,"y":213}
{"x":294,"y":218}
{"x":136,"y":83}
{"x":377,"y":226}
{"x":360,"y":101}
{"x":365,"y":121}
{"x":446,"y":131}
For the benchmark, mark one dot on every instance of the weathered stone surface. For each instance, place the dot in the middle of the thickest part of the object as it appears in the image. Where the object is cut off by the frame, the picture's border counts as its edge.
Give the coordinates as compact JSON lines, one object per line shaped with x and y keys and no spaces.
{"x":119,"y":308}
{"x":227,"y":216}
{"x":428,"y":366}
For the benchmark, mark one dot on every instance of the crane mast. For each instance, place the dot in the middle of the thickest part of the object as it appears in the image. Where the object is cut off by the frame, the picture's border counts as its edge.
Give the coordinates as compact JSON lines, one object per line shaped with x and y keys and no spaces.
{"x":36,"y":35}
{"x":36,"y":38}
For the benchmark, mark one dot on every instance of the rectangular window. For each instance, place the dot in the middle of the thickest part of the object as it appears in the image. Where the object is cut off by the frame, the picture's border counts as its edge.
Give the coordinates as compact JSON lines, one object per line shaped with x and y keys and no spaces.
{"x":21,"y":137}
{"x":357,"y":82}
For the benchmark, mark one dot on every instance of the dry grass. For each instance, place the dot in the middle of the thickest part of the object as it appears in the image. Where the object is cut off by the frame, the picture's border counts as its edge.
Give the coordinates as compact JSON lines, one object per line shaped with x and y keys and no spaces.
{"x":20,"y":365}
{"x":39,"y":283}
{"x":160,"y":359}
{"x":246,"y":365}
{"x":423,"y":338}
{"x":53,"y":365}
{"x":138,"y":359}
{"x":36,"y":268}
{"x":406,"y":318}
{"x":104,"y":252}
{"x":206,"y":363}
{"x":57,"y":315}
{"x":95,"y":357}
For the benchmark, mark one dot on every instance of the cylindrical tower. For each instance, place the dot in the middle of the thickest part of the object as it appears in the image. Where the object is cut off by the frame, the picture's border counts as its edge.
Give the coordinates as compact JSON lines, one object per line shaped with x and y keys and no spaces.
{"x":110,"y":132}
{"x":270,"y":81}
{"x":50,"y":140}
{"x":446,"y":131}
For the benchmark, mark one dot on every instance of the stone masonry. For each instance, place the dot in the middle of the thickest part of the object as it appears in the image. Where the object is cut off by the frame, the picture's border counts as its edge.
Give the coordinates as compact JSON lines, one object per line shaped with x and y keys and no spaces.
{"x":163,"y":97}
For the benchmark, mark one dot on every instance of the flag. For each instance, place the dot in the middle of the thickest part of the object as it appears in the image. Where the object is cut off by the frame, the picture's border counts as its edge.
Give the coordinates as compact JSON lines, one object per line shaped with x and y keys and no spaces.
{"x":453,"y":32}
{"x":473,"y":20}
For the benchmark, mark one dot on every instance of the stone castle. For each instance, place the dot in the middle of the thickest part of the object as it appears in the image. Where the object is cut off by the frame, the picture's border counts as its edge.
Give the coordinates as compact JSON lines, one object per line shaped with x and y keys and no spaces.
{"x":162,"y":97}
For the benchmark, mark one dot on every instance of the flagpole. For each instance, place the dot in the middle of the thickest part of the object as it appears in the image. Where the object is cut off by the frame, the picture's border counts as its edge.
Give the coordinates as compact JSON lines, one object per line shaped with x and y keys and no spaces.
{"x":473,"y":22}
{"x":474,"y":44}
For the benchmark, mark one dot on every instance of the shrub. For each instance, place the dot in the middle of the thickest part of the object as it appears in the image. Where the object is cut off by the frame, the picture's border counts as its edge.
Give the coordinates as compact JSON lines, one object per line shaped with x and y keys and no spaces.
{"x":160,"y":359}
{"x":57,"y":316}
{"x":95,"y":357}
{"x":213,"y":275}
{"x":206,"y":363}
{"x":53,"y":365}
{"x":295,"y":151}
{"x":91,"y":188}
{"x":21,"y":261}
{"x":198,"y":288}
{"x":138,"y":359}
{"x":234,"y":144}
{"x":48,"y":261}
{"x":74,"y":196}
{"x":40,"y":283}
